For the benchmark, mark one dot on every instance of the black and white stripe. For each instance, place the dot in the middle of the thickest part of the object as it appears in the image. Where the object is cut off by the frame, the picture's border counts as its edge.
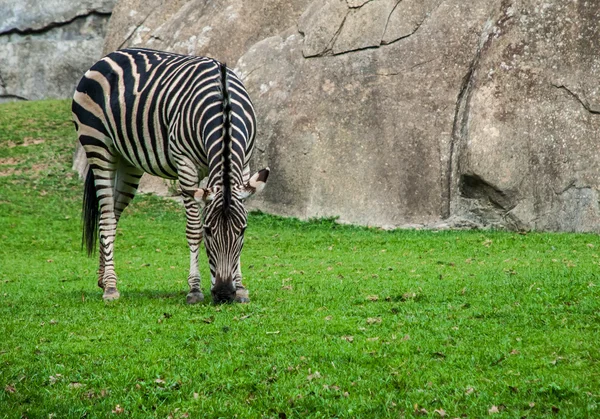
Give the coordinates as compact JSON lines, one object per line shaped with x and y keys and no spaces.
{"x":177,"y":117}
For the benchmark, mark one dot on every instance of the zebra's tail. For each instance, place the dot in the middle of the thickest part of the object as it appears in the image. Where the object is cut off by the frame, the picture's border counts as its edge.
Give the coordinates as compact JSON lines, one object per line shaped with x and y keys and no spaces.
{"x":90,"y":214}
{"x":226,"y":168}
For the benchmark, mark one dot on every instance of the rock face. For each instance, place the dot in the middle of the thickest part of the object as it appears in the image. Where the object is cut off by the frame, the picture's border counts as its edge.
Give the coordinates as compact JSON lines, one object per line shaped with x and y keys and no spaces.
{"x":408,"y":112}
{"x":46,"y":46}
{"x":527,"y":149}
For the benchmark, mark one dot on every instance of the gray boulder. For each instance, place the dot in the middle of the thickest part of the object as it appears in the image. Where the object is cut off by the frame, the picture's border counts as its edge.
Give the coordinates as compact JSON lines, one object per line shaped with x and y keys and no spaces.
{"x":527,"y":143}
{"x":47,"y":46}
{"x":407,"y":113}
{"x":222,"y":29}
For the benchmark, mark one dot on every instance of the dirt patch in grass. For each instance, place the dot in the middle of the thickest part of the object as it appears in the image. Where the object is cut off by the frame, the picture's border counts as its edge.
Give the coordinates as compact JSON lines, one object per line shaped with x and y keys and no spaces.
{"x":9,"y":171}
{"x":12,"y":161}
{"x":27,"y":141}
{"x":37,"y":168}
{"x":9,"y":161}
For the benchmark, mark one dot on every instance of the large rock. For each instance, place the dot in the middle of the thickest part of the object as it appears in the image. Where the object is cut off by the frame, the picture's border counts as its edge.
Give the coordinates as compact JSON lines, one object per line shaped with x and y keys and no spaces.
{"x":46,"y":46}
{"x":222,"y":29}
{"x":412,"y":112}
{"x":363,"y":130}
{"x":528,"y":146}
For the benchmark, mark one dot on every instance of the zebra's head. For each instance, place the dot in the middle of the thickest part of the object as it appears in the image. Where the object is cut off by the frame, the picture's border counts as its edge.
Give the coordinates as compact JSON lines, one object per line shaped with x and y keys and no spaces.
{"x":224,"y":224}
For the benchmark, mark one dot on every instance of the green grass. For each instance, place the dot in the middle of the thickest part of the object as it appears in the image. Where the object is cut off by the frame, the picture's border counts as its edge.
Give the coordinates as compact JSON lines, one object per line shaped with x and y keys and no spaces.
{"x":344,"y":321}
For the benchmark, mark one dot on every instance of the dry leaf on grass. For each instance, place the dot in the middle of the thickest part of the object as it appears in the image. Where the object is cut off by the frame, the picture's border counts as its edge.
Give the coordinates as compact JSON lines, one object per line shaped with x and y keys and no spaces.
{"x":409,"y":296}
{"x":54,"y":378}
{"x":311,"y":377}
{"x":373,"y":320}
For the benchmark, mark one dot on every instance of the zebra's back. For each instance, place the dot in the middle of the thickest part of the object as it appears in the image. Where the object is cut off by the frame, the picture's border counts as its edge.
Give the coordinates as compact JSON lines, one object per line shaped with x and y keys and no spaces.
{"x":150,"y":105}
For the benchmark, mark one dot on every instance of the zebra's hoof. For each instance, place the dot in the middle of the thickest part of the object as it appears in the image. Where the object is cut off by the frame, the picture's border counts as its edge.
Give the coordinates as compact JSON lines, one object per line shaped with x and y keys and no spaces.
{"x":242,"y":296}
{"x":111,"y":294}
{"x":194,"y":297}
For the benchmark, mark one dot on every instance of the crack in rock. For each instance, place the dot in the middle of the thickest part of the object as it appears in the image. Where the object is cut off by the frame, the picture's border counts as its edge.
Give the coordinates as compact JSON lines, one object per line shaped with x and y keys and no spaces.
{"x":364,"y":27}
{"x":459,"y":131}
{"x":572,"y":185}
{"x":11,"y":96}
{"x":133,"y":31}
{"x":387,"y":22}
{"x":320,"y":25}
{"x":586,"y":105}
{"x":460,"y":128}
{"x":355,"y":4}
{"x":408,"y":69}
{"x":329,"y":48}
{"x":52,"y":25}
{"x":407,"y":17}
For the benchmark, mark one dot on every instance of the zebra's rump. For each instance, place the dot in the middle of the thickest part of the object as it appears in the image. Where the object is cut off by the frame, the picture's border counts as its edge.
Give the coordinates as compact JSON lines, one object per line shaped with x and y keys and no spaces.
{"x":150,"y":107}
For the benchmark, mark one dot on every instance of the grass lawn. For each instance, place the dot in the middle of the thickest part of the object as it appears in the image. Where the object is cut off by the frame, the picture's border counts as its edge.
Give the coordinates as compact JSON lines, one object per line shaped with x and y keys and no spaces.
{"x":344,"y":321}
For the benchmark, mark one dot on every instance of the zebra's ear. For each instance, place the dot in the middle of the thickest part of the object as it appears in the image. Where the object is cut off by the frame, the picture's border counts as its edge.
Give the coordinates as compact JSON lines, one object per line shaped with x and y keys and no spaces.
{"x":256,"y":183}
{"x":204,"y":194}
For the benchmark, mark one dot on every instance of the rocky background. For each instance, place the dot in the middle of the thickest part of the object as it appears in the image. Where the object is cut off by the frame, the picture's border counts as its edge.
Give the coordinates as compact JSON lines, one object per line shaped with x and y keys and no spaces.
{"x":408,"y":112}
{"x":46,"y":46}
{"x":400,"y":113}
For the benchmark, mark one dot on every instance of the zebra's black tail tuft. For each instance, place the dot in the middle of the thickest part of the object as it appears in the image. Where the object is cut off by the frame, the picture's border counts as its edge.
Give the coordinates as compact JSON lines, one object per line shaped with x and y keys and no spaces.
{"x":90,"y":214}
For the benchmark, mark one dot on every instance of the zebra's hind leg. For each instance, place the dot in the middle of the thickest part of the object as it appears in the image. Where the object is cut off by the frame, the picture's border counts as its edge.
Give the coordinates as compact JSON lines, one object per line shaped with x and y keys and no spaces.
{"x":126,"y":181}
{"x":101,"y":271}
{"x":104,"y":173}
{"x":126,"y":184}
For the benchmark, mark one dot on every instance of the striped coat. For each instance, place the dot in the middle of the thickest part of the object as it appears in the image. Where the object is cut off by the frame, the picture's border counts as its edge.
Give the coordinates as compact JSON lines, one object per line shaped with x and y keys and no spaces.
{"x":177,"y":117}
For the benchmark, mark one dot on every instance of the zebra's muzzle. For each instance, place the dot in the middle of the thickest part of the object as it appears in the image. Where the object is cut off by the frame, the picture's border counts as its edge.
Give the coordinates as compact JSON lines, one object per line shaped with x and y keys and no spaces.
{"x":223,"y":292}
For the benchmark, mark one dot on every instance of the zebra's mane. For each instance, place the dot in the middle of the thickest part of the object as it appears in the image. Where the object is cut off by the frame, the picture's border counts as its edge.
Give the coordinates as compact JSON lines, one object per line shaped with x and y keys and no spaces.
{"x":226,"y":148}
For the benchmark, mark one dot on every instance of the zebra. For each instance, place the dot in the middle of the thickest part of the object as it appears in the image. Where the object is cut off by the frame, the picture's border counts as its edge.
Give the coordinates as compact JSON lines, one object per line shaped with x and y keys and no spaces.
{"x":175,"y":116}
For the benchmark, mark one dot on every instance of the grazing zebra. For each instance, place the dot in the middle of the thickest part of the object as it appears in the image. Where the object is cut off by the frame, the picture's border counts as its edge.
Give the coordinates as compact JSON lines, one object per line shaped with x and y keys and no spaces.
{"x":178,"y":117}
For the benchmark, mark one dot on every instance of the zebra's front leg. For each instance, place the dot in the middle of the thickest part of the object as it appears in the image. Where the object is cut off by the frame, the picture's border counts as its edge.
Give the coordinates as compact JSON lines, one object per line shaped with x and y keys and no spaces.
{"x":241,"y":292}
{"x":193,"y":234}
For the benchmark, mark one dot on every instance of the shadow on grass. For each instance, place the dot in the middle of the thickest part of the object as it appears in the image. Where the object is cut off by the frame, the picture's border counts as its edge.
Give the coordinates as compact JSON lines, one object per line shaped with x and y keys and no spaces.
{"x":136,"y":295}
